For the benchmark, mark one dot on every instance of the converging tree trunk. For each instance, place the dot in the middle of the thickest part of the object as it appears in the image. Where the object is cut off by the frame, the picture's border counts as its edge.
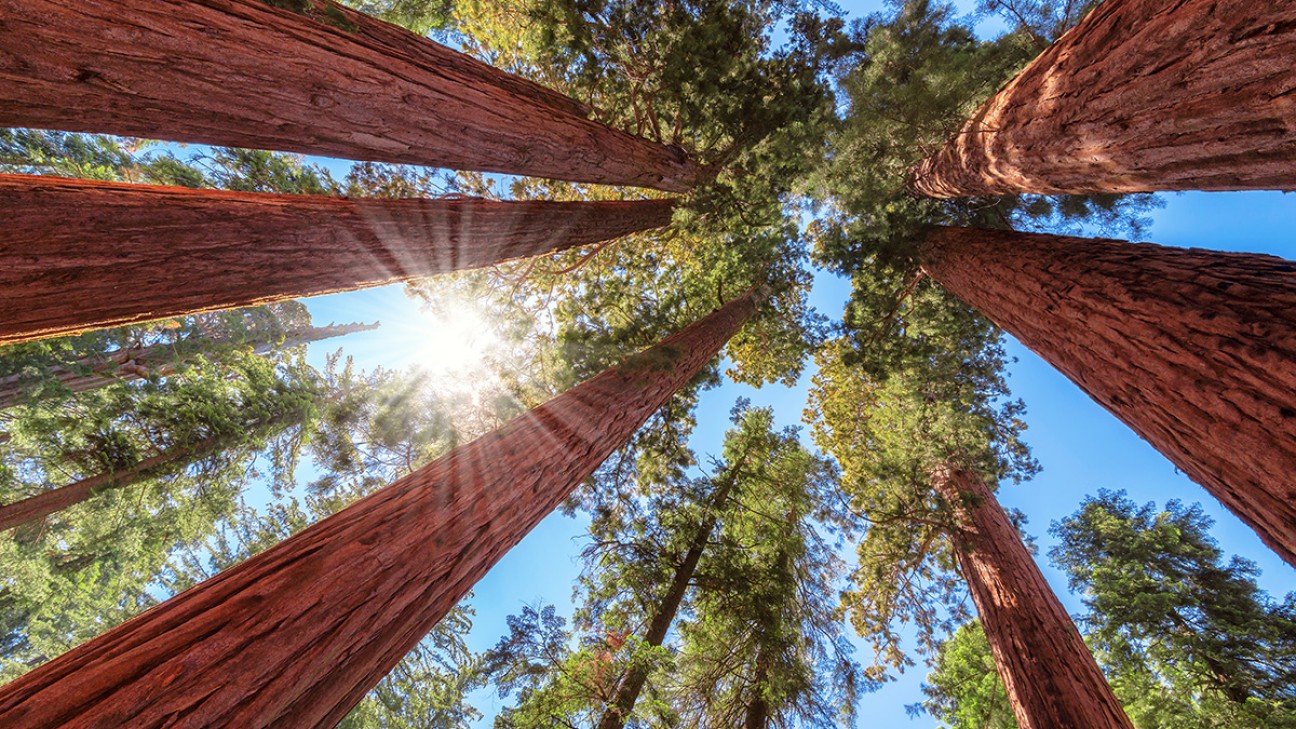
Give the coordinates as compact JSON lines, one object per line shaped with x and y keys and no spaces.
{"x":298,"y":634}
{"x":155,"y":360}
{"x":79,"y":254}
{"x":1140,"y":96}
{"x":1052,"y":679}
{"x":1195,"y":350}
{"x":627,"y":693}
{"x":323,"y":80}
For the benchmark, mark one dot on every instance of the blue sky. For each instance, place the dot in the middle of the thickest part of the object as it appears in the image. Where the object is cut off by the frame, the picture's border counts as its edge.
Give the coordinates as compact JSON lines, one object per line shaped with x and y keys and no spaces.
{"x":1079,"y":445}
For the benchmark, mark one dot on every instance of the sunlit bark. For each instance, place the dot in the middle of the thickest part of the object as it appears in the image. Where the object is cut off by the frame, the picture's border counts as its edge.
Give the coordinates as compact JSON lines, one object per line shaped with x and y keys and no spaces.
{"x":1142,"y":95}
{"x":80,"y":254}
{"x":298,"y":634}
{"x":328,"y":81}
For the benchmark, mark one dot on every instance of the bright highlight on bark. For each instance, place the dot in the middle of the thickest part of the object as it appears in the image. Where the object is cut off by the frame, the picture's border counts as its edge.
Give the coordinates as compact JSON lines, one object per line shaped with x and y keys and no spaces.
{"x":1052,"y":679}
{"x":298,"y":634}
{"x":1195,"y":350}
{"x":241,"y":73}
{"x":81,"y":254}
{"x":1141,"y":96}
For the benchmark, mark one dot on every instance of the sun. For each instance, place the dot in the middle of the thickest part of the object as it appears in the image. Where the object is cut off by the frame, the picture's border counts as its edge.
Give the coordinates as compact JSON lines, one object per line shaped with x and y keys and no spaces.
{"x":453,"y":343}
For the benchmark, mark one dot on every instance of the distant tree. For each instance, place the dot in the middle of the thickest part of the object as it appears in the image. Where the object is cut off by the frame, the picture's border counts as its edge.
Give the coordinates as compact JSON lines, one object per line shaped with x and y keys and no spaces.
{"x":1187,"y":636}
{"x":731,"y":563}
{"x":963,"y":690}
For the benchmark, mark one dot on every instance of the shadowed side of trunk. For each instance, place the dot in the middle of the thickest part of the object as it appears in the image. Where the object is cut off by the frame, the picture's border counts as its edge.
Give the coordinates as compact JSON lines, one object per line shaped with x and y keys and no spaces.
{"x":80,"y":254}
{"x":1052,"y":679}
{"x":1142,"y":95}
{"x":298,"y":634}
{"x":327,"y":81}
{"x":1194,"y":350}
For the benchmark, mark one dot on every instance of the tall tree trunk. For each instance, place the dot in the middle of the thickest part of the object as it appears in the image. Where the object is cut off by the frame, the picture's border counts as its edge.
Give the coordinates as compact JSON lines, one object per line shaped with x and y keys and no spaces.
{"x":627,"y":693}
{"x":327,"y":81}
{"x":41,"y":505}
{"x":298,"y":634}
{"x":134,"y":363}
{"x":1052,"y":679}
{"x":1195,"y":350}
{"x":79,"y":254}
{"x":1142,"y":95}
{"x":758,"y":709}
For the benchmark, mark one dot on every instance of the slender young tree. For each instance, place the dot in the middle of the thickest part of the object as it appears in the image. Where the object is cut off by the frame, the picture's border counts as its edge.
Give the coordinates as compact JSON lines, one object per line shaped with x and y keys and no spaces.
{"x":301,"y":632}
{"x":1140,"y":96}
{"x":1193,"y":349}
{"x":127,"y":364}
{"x":1051,"y":677}
{"x":627,"y":692}
{"x":305,"y":76}
{"x":73,"y":249}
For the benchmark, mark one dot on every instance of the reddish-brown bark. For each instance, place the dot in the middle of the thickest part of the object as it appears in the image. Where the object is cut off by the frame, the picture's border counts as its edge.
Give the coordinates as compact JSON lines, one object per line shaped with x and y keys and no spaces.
{"x":1052,"y":679}
{"x":242,"y":73}
{"x":155,"y":360}
{"x":1195,"y":350}
{"x":296,"y":635}
{"x":79,"y":254}
{"x":1142,"y":95}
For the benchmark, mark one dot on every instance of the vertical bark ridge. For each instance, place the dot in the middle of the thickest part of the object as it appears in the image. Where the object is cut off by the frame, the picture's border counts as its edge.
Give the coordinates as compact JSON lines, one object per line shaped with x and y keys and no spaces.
{"x":82,"y":254}
{"x":1194,"y":350}
{"x":1142,"y":95}
{"x":298,"y":634}
{"x":242,"y":73}
{"x":1051,"y":677}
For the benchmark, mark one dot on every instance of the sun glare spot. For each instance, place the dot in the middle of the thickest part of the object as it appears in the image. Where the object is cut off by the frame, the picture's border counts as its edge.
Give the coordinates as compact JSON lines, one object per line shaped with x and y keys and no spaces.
{"x":452,"y":345}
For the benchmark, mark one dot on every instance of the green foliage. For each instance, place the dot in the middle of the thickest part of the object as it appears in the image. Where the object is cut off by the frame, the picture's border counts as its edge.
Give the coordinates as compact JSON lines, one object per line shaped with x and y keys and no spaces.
{"x":1188,"y":637}
{"x":932,"y":393}
{"x":963,"y":689}
{"x":762,"y":640}
{"x":323,"y":11}
{"x":917,"y":75}
{"x":756,"y":617}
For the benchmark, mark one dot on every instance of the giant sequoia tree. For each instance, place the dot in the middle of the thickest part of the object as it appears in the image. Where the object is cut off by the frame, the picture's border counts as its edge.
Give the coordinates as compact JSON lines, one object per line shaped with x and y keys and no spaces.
{"x":1140,"y":96}
{"x":1192,"y":349}
{"x":304,"y":76}
{"x":79,"y":267}
{"x":296,"y":634}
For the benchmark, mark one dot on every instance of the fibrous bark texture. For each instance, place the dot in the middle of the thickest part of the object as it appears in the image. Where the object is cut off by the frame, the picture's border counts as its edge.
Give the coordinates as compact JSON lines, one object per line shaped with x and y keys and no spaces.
{"x":1195,"y":350}
{"x":80,"y":254}
{"x":1142,"y":95}
{"x":242,"y":73}
{"x":295,"y":636}
{"x":1051,"y":677}
{"x":155,"y":360}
